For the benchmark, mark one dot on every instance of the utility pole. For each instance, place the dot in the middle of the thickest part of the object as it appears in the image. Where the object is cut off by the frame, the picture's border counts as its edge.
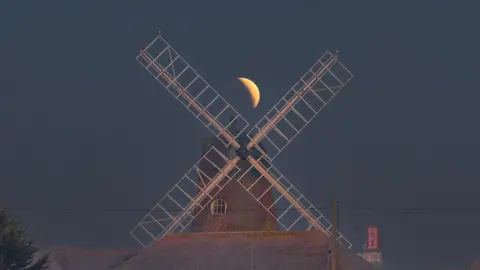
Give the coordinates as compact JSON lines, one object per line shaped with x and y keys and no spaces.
{"x":334,"y":259}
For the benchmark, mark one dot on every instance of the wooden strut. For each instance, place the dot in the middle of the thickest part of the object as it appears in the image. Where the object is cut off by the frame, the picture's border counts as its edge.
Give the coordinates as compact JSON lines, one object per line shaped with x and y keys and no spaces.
{"x":334,"y":259}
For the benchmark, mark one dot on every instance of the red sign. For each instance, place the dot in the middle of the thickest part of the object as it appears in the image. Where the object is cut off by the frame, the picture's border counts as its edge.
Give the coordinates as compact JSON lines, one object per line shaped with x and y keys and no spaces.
{"x":372,"y":238}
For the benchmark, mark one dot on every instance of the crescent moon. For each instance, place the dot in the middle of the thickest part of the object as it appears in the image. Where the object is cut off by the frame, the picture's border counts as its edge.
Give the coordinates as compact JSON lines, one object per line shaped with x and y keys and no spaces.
{"x":252,"y":89}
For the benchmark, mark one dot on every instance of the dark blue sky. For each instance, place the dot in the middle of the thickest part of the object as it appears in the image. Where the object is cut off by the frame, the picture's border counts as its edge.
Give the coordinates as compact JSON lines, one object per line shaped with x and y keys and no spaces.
{"x":83,"y":126}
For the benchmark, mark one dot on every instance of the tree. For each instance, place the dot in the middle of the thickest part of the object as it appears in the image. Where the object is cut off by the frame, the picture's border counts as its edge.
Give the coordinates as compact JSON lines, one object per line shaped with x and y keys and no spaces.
{"x":16,"y":250}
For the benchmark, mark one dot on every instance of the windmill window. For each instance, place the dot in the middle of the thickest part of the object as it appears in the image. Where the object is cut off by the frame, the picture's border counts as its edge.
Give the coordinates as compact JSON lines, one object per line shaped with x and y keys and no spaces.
{"x":218,"y":207}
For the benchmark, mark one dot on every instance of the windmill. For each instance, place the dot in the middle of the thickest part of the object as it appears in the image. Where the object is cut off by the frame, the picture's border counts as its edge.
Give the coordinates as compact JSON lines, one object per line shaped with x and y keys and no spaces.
{"x":179,"y":207}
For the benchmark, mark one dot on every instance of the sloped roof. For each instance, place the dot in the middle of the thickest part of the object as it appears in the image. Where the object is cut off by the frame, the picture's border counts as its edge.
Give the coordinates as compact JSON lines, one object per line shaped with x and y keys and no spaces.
{"x":212,"y":251}
{"x":257,"y":250}
{"x":476,"y":264}
{"x":73,"y":258}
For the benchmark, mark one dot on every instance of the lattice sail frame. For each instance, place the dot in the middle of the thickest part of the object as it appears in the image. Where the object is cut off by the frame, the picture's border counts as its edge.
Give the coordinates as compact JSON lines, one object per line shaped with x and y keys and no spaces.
{"x":188,"y":87}
{"x":304,"y":101}
{"x":179,"y":207}
{"x":297,"y":108}
{"x":299,"y":214}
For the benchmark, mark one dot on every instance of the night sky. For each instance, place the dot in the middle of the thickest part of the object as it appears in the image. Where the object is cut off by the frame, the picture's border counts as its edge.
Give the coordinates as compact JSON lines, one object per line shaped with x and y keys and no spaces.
{"x":86,"y":132}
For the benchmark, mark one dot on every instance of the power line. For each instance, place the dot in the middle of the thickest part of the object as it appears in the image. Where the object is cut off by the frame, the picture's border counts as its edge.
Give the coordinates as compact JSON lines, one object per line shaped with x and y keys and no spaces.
{"x":344,"y":208}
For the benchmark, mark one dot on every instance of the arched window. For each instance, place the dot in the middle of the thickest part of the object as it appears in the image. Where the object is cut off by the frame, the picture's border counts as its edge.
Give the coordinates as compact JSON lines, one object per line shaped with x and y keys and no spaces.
{"x":218,"y":207}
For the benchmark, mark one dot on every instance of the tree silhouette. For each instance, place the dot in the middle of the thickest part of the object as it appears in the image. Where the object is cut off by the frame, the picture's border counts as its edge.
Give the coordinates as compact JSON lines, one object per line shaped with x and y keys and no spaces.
{"x":16,"y":250}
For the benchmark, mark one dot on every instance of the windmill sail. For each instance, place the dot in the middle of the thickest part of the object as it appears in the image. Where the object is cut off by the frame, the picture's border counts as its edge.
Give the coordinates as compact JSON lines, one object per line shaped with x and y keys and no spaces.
{"x":195,"y":190}
{"x":188,"y":87}
{"x":291,"y":114}
{"x":291,"y":209}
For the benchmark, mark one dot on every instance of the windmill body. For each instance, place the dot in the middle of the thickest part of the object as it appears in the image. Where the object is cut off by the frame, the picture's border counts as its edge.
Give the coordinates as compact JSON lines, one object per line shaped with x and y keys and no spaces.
{"x":233,"y":209}
{"x":212,"y":195}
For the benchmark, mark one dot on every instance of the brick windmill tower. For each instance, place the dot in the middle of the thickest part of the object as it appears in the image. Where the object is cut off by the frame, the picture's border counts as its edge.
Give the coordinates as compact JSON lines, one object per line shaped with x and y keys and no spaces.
{"x":233,"y":208}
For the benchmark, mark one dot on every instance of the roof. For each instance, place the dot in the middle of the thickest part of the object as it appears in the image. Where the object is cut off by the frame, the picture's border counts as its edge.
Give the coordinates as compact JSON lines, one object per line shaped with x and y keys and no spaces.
{"x":255,"y":250}
{"x":74,"y":258}
{"x":235,"y":250}
{"x":476,"y":264}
